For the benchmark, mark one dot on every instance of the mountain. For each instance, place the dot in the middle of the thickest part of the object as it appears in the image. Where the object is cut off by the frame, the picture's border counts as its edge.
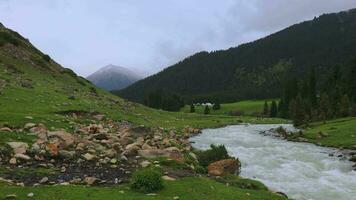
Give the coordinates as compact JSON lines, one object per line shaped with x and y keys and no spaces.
{"x":257,"y":69}
{"x":113,"y":77}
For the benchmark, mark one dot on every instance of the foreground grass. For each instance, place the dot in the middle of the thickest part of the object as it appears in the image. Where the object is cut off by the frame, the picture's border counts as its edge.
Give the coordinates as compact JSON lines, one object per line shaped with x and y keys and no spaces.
{"x":337,"y":133}
{"x":248,"y":107}
{"x":186,"y":188}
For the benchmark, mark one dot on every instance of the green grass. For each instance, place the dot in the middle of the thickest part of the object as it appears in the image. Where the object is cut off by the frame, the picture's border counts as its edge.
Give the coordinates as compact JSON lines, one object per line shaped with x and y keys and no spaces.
{"x":249,"y":107}
{"x":340,"y":133}
{"x":186,"y":188}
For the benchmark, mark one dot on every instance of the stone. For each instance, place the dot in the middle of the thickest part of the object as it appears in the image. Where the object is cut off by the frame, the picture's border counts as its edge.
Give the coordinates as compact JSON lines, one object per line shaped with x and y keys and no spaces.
{"x":66,"y":154}
{"x":111,"y":153}
{"x":11,"y":196}
{"x":22,"y":156}
{"x":30,"y":195}
{"x":168,"y":178}
{"x":13,"y":161}
{"x":5,"y":129}
{"x":153,"y":153}
{"x":52,"y":148}
{"x":223,"y":167}
{"x":18,"y":147}
{"x":67,"y":138}
{"x":176,"y":197}
{"x":91,"y":180}
{"x":145,"y":163}
{"x":29,"y":125}
{"x":89,"y":156}
{"x":44,"y":180}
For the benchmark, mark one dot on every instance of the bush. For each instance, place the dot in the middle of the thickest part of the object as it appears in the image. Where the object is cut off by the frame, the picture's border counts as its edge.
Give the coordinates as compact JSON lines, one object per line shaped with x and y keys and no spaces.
{"x":46,"y":57}
{"x":147,"y":180}
{"x":214,"y":154}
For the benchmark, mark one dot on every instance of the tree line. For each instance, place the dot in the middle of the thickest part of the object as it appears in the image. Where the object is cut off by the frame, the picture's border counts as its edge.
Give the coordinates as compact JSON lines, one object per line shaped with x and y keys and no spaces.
{"x":314,"y":98}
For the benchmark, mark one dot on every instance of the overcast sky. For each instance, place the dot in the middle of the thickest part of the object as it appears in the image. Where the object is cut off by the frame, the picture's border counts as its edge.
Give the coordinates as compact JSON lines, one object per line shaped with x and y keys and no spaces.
{"x":149,"y":35}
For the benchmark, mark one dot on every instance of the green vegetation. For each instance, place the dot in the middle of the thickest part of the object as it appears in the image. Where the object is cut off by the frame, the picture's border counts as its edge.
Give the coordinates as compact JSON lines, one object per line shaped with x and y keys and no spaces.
{"x":246,"y":108}
{"x":147,"y":180}
{"x":304,"y":102}
{"x":186,"y":188}
{"x":259,"y":69}
{"x":215,"y":153}
{"x":334,"y":133}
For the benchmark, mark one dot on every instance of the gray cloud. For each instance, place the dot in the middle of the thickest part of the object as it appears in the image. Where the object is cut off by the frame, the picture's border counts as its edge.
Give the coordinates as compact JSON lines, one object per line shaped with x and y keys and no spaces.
{"x":150,"y":35}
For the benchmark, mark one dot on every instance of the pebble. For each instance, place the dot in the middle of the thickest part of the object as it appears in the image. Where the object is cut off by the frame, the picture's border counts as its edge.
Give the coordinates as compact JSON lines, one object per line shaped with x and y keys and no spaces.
{"x":176,"y":197}
{"x":30,"y":195}
{"x":44,"y":180}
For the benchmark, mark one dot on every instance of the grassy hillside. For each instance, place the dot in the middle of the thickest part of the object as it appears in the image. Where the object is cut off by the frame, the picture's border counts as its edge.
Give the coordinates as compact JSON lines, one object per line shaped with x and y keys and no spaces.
{"x":257,"y":69}
{"x":249,"y":107}
{"x":334,"y":133}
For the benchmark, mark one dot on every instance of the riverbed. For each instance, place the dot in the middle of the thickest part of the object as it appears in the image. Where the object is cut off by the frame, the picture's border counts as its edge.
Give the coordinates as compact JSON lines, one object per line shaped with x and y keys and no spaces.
{"x":303,"y":171}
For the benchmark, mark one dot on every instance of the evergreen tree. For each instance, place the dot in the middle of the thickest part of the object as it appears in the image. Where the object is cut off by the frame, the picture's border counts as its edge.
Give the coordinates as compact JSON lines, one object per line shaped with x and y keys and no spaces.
{"x":312,"y":89}
{"x":324,"y":107}
{"x":206,"y":110}
{"x":274,"y":109}
{"x":192,"y":108}
{"x":216,"y":105}
{"x":265,"y":109}
{"x":299,"y":113}
{"x":344,"y":106}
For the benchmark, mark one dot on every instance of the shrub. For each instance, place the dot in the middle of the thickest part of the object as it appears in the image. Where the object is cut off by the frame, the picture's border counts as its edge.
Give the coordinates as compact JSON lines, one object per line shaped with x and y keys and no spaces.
{"x":215,"y":153}
{"x":46,"y":57}
{"x":206,"y":110}
{"x":146,"y":180}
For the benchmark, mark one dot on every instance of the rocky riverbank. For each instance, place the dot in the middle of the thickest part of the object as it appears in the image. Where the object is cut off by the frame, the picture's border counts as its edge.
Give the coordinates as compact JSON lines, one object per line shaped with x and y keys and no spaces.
{"x":103,"y":153}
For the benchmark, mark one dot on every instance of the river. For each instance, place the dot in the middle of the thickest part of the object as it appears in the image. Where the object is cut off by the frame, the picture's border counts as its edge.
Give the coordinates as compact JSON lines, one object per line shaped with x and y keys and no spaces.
{"x":303,"y":171}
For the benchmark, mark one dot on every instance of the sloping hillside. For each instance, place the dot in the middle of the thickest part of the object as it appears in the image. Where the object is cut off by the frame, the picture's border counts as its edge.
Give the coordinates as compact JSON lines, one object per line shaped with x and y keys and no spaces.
{"x":257,"y":69}
{"x":113,"y":77}
{"x":34,"y":88}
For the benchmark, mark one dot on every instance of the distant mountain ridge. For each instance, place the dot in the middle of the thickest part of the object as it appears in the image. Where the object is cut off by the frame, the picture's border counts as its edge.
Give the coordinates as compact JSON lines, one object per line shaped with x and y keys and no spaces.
{"x":112,"y":77}
{"x":257,"y":69}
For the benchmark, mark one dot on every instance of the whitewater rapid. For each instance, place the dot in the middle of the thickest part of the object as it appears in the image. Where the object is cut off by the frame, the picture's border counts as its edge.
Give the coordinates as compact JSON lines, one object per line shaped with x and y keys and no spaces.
{"x":302,"y":171}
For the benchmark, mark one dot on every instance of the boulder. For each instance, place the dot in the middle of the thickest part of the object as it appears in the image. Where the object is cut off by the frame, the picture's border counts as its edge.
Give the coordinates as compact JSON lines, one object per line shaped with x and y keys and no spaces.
{"x":89,"y":157}
{"x":5,"y":129}
{"x":67,"y":138}
{"x":223,"y":167}
{"x":22,"y":156}
{"x":18,"y":147}
{"x":29,"y":125}
{"x":91,"y":180}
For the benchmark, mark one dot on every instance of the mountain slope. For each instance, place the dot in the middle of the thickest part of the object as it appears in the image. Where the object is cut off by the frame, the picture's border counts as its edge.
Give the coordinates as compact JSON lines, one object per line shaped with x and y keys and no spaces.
{"x":257,"y":69}
{"x":34,"y":88}
{"x":113,"y":77}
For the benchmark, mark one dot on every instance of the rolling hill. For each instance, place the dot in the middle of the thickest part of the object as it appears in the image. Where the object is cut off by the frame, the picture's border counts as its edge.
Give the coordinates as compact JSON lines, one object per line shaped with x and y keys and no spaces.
{"x":113,"y":77}
{"x":257,"y":69}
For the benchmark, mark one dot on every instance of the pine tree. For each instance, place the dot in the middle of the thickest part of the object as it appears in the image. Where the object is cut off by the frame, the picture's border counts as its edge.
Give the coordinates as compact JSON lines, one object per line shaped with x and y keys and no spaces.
{"x":206,"y":110}
{"x":344,"y":106}
{"x":265,"y":109}
{"x":216,"y":105}
{"x":274,"y":109}
{"x":299,"y":112}
{"x":192,"y":108}
{"x":312,"y":89}
{"x":324,"y":107}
